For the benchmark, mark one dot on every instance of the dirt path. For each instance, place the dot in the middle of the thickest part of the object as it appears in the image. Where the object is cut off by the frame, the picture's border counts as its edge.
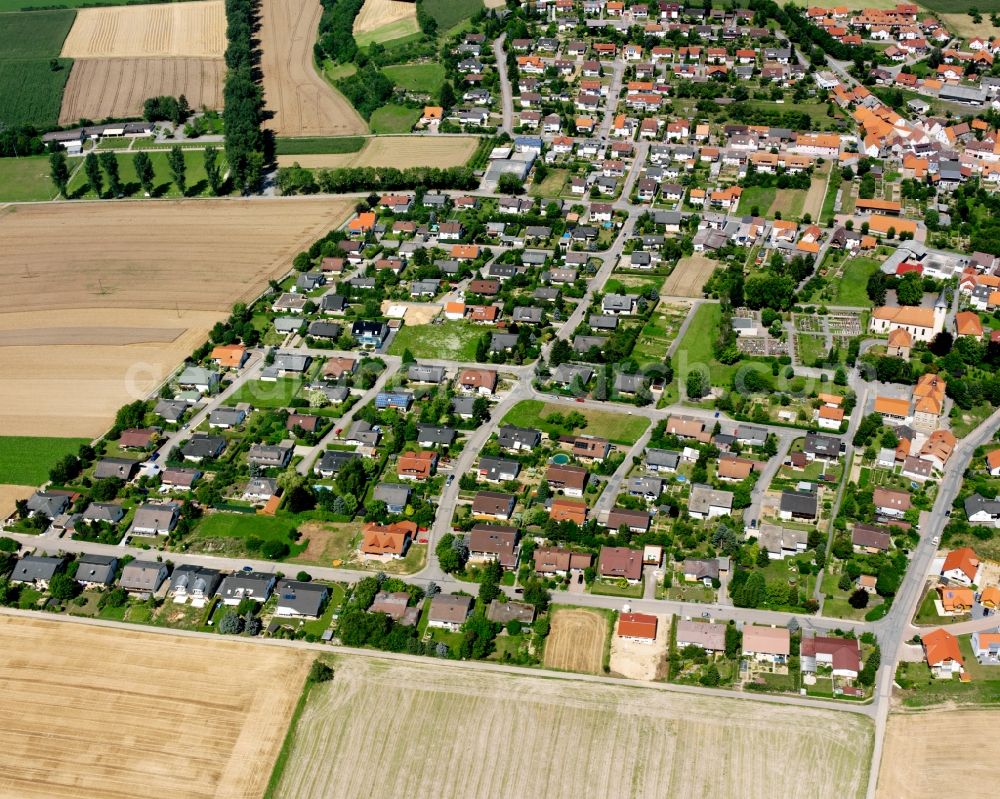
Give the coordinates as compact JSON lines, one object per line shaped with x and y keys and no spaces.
{"x":302,"y":102}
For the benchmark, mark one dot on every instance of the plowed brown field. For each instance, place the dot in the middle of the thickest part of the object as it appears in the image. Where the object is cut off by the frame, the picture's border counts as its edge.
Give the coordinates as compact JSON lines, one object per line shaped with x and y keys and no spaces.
{"x":117,"y":87}
{"x":302,"y":102}
{"x":195,"y":29}
{"x":104,"y":713}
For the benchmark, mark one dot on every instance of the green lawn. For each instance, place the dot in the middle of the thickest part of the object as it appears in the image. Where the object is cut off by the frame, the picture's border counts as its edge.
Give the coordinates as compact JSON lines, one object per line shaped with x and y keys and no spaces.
{"x":21,"y":5}
{"x":760,"y":197}
{"x":810,"y":348}
{"x":386,"y":33}
{"x":453,"y":340}
{"x":611,"y":588}
{"x":265,"y":393}
{"x":620,"y":428}
{"x":552,"y":186}
{"x":394,"y":119}
{"x":449,"y":13}
{"x":788,"y":202}
{"x":243,"y":525}
{"x":851,"y":288}
{"x":36,"y":35}
{"x":426,"y":78}
{"x":696,"y":349}
{"x":319,"y":145}
{"x":163,"y":185}
{"x":25,"y":179}
{"x":25,"y":460}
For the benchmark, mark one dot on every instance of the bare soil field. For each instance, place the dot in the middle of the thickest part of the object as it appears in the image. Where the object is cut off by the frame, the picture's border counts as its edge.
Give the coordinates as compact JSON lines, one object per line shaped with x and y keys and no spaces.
{"x":376,"y":13}
{"x":917,"y":764}
{"x":576,"y":642}
{"x":96,"y":312}
{"x":170,"y":717}
{"x":193,"y":29}
{"x":639,"y":661}
{"x":417,"y":313}
{"x":117,"y":87}
{"x":462,"y":732}
{"x":302,"y":102}
{"x":689,"y":276}
{"x":9,"y":494}
{"x":813,"y":204}
{"x":398,"y":151}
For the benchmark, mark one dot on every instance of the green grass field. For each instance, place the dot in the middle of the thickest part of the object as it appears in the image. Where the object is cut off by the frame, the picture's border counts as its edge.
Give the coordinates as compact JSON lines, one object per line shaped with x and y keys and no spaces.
{"x":243,"y":525}
{"x":851,"y":288}
{"x":960,"y":6}
{"x":266,"y":394}
{"x":25,"y":179}
{"x":620,"y":428}
{"x":163,"y":185}
{"x":394,"y":119}
{"x":759,"y":197}
{"x":426,"y":78}
{"x":26,"y":5}
{"x":319,"y":145}
{"x":25,"y":460}
{"x":454,"y":339}
{"x":36,"y":35}
{"x":449,"y":13}
{"x":30,"y":90}
{"x":394,"y":30}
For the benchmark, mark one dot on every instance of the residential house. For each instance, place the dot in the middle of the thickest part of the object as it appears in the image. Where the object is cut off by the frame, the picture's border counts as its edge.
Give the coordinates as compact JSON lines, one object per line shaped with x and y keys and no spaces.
{"x":561,"y":561}
{"x":766,"y":644}
{"x":571,"y":480}
{"x":572,"y":510}
{"x":498,"y":470}
{"x":300,"y":599}
{"x":196,"y":583}
{"x":387,"y":542}
{"x":96,"y":571}
{"x":615,"y":563}
{"x":394,"y":495}
{"x":701,"y":571}
{"x":504,"y":612}
{"x":246,"y":585}
{"x":37,"y":570}
{"x":942,"y":653}
{"x":705,"y":502}
{"x":449,"y":611}
{"x":640,"y":627}
{"x":962,"y":566}
{"x":494,"y":505}
{"x":143,"y":577}
{"x":708,"y":636}
{"x":841,"y":655}
{"x":152,"y":519}
{"x":798,"y":505}
{"x":494,"y":542}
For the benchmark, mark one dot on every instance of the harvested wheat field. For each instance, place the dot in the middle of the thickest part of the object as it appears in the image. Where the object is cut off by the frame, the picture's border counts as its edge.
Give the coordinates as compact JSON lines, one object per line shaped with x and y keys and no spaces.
{"x":9,"y":495}
{"x":111,"y":713}
{"x":103,"y":300}
{"x":376,"y":13}
{"x":462,"y":732}
{"x":576,"y":642}
{"x":917,"y":763}
{"x":302,"y":102}
{"x":398,"y":151}
{"x":117,"y":87}
{"x":192,"y":29}
{"x":689,"y":276}
{"x":813,"y":204}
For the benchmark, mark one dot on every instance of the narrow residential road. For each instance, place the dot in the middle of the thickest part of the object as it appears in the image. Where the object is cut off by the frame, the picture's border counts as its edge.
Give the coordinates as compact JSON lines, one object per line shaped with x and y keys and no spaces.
{"x":506,"y":95}
{"x":613,"y":487}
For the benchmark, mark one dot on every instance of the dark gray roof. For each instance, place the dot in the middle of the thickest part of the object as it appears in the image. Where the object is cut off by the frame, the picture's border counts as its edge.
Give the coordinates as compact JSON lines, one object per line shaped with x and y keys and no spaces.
{"x":801,"y":504}
{"x":301,"y":599}
{"x":34,"y":568}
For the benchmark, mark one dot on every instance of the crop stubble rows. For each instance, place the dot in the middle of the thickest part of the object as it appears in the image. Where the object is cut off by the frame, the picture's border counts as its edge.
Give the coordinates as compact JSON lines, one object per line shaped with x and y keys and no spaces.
{"x":115,"y":713}
{"x":576,"y":641}
{"x":443,"y":731}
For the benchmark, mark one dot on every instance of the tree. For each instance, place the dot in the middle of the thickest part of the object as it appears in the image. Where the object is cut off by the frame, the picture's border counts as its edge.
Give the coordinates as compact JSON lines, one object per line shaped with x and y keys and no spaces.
{"x":449,"y":558}
{"x":212,"y":171}
{"x":58,"y":171}
{"x":509,"y":184}
{"x":867,"y":674}
{"x":109,"y":162}
{"x":910,"y":289}
{"x":840,"y":377}
{"x":178,"y":168}
{"x":762,"y":558}
{"x":92,"y":169}
{"x":489,"y":584}
{"x":116,"y":598}
{"x":480,"y":410}
{"x":231,"y":624}
{"x":859,"y":599}
{"x":320,"y":672}
{"x":447,"y":95}
{"x":63,"y":587}
{"x":711,"y":676}
{"x":734,"y":640}
{"x":145,"y":172}
{"x":696,"y":384}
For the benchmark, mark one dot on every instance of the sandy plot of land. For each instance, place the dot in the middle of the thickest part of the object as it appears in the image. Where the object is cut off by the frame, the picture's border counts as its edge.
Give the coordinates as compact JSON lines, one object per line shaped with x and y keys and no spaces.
{"x":195,"y":29}
{"x":138,"y":285}
{"x":114,"y":713}
{"x":917,"y":762}
{"x":459,"y":733}
{"x":689,"y":276}
{"x":376,"y":13}
{"x":302,"y":102}
{"x":576,"y":642}
{"x":417,"y":313}
{"x":495,"y":3}
{"x":813,"y":204}
{"x":118,"y":87}
{"x":641,"y":661}
{"x":10,"y":494}
{"x":398,"y":151}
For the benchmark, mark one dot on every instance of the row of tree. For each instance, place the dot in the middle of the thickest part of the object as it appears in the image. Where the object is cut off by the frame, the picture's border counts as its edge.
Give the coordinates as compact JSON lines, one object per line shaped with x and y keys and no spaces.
{"x":243,"y":98}
{"x":298,"y":180}
{"x":99,"y":167}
